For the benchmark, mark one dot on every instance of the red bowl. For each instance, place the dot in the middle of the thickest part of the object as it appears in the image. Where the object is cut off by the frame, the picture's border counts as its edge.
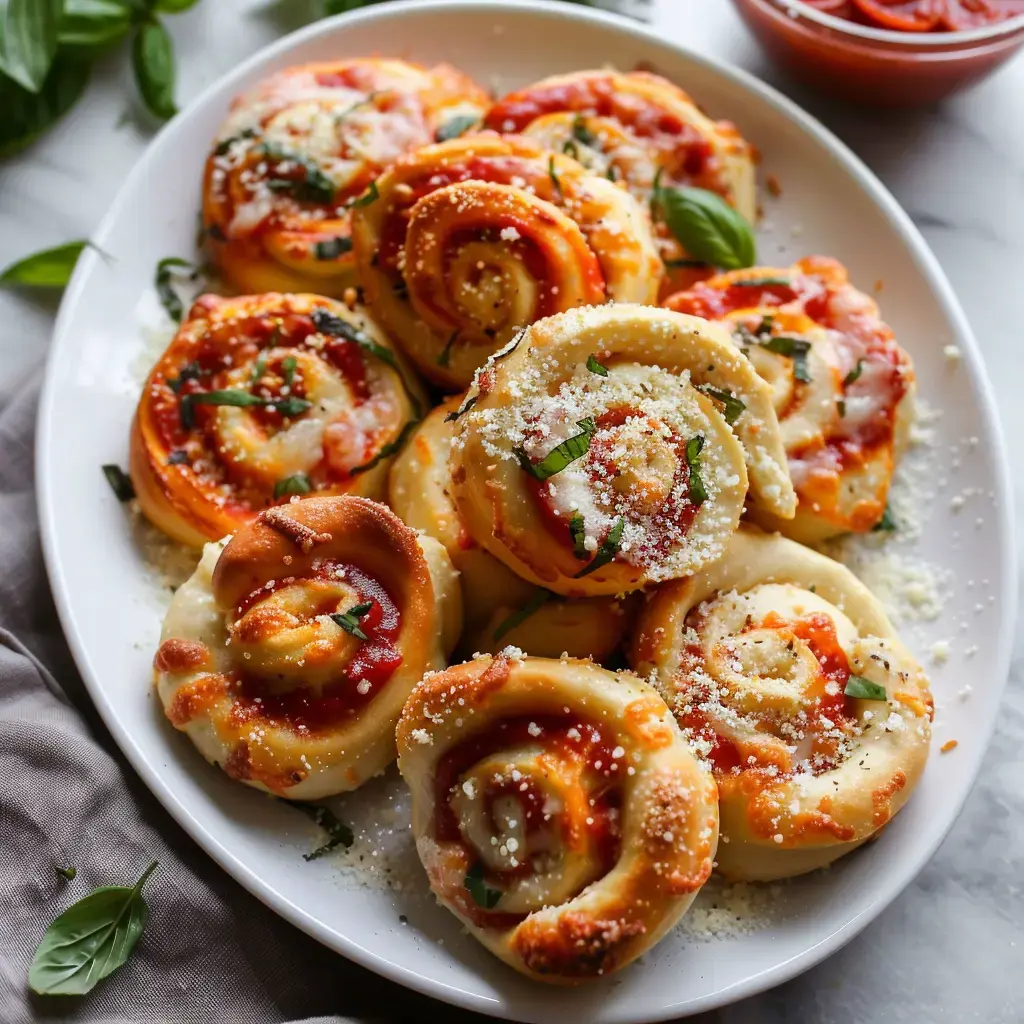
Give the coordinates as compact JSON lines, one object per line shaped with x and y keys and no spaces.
{"x":875,"y":66}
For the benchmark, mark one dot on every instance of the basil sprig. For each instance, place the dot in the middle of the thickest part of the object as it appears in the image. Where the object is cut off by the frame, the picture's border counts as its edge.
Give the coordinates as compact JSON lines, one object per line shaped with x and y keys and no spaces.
{"x":863,"y":689}
{"x":483,"y":895}
{"x":698,"y":492}
{"x":48,"y":268}
{"x":561,"y":455}
{"x":520,"y":615}
{"x":153,"y":64}
{"x":732,"y":406}
{"x":90,"y":940}
{"x":349,"y":621}
{"x":30,"y":37}
{"x":706,"y":225}
{"x":607,"y":551}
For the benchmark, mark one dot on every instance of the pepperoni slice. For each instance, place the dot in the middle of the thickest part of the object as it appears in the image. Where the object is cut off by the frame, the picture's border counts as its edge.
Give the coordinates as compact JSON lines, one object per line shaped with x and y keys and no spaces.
{"x":964,"y":14}
{"x":912,"y":16}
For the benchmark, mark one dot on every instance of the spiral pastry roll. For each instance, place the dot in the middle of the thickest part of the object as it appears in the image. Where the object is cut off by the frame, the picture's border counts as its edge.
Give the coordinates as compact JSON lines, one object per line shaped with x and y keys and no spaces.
{"x":612,"y":447}
{"x":557,"y":810}
{"x":289,"y":653}
{"x":628,"y":127}
{"x":785,"y":673}
{"x":300,"y":150}
{"x":259,"y":398}
{"x":500,"y":608}
{"x":474,"y":238}
{"x":841,"y":385}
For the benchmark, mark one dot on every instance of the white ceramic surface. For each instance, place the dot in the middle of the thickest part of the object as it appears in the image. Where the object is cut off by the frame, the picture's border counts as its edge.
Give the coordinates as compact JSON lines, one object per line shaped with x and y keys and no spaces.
{"x":111,"y":614}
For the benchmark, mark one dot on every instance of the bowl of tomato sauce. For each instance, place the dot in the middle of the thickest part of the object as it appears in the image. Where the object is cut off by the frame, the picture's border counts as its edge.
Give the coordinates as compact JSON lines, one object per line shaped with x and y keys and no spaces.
{"x":888,"y":52}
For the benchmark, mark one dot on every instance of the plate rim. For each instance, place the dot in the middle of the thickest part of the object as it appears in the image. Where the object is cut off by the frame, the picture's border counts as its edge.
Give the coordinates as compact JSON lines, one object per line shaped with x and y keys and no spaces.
{"x":919,"y":252}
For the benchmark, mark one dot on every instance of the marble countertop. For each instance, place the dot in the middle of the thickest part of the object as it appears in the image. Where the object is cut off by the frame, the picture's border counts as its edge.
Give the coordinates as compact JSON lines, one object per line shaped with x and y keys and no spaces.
{"x":949,"y":948}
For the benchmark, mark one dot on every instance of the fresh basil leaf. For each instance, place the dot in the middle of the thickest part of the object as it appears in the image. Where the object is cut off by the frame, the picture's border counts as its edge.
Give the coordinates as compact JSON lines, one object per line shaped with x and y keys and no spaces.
{"x":50,"y":268}
{"x":387,"y":450}
{"x":288,"y":406}
{"x":863,"y":689}
{"x":795,"y":349}
{"x":297,"y":483}
{"x":854,"y":374}
{"x":327,"y":323}
{"x":70,"y":872}
{"x":239,"y":399}
{"x":732,"y":406}
{"x":595,"y":367}
{"x":349,"y":621}
{"x":608,"y":550}
{"x":887,"y":524}
{"x":153,"y":63}
{"x":344,"y":6}
{"x":228,"y":396}
{"x":312,"y":186}
{"x":522,"y":614}
{"x":93,"y":24}
{"x":762,"y":282}
{"x":120,"y":482}
{"x":333,"y":248}
{"x":338,"y":833}
{"x":707,"y":226}
{"x":553,"y":175}
{"x":483,"y":895}
{"x":173,"y":6}
{"x":371,"y":195}
{"x":456,"y":126}
{"x":578,"y":532}
{"x":90,"y":940}
{"x":30,"y":32}
{"x":682,"y":263}
{"x":698,"y":492}
{"x":26,"y":115}
{"x":169,"y":299}
{"x":561,"y":455}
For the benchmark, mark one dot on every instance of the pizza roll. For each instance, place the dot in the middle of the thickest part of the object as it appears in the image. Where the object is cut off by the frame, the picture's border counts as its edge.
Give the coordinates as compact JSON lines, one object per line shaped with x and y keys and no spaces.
{"x":301,"y":149}
{"x":557,"y":811}
{"x":842,"y":387}
{"x":289,"y":653}
{"x":612,"y":447}
{"x":500,"y":608}
{"x":477,"y":237}
{"x":629,"y":127}
{"x":786,"y":675}
{"x":262,"y":397}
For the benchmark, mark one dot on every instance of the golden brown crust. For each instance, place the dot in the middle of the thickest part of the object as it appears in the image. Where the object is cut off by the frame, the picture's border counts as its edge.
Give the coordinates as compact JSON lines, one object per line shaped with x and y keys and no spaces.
{"x":632,"y":815}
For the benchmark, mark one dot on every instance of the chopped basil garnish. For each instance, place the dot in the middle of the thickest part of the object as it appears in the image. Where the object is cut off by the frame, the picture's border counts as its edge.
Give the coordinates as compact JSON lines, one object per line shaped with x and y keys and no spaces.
{"x":313,"y":186}
{"x":698,"y":492}
{"x":841,"y":407}
{"x":578,"y":532}
{"x":681,"y":263}
{"x":595,"y":367}
{"x":795,"y":349}
{"x":561,"y":455}
{"x":70,"y":872}
{"x":90,"y":940}
{"x":338,"y":833}
{"x":464,"y":408}
{"x":165,"y":270}
{"x":553,"y":175}
{"x":177,"y":458}
{"x":733,"y":406}
{"x":522,"y":614}
{"x":349,"y":621}
{"x":446,"y":353}
{"x":388,"y":449}
{"x":327,"y":323}
{"x":371,"y":195}
{"x":190,"y":371}
{"x":455,"y":127}
{"x":863,"y":689}
{"x":854,"y":373}
{"x":706,"y":225}
{"x":239,"y":399}
{"x":224,"y":145}
{"x":258,"y":370}
{"x":297,"y":483}
{"x":483,"y":895}
{"x":569,"y":148}
{"x":762,"y":282}
{"x":608,"y":550}
{"x":581,"y":133}
{"x":288,"y":367}
{"x":120,"y":482}
{"x":332,"y":248}
{"x":887,"y":524}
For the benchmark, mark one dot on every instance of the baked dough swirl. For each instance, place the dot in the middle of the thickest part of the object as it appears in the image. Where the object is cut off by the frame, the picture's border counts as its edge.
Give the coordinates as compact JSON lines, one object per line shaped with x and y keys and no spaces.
{"x":500,"y":608}
{"x":628,"y":127}
{"x":476,"y":237}
{"x":289,"y":653}
{"x":842,"y":387}
{"x":261,"y":397}
{"x":785,"y":673}
{"x":557,"y":811}
{"x":304,"y":145}
{"x":612,"y":447}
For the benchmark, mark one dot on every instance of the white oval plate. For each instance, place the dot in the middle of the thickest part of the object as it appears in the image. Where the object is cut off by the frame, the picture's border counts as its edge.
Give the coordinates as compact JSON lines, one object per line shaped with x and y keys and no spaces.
{"x":111,"y":613}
